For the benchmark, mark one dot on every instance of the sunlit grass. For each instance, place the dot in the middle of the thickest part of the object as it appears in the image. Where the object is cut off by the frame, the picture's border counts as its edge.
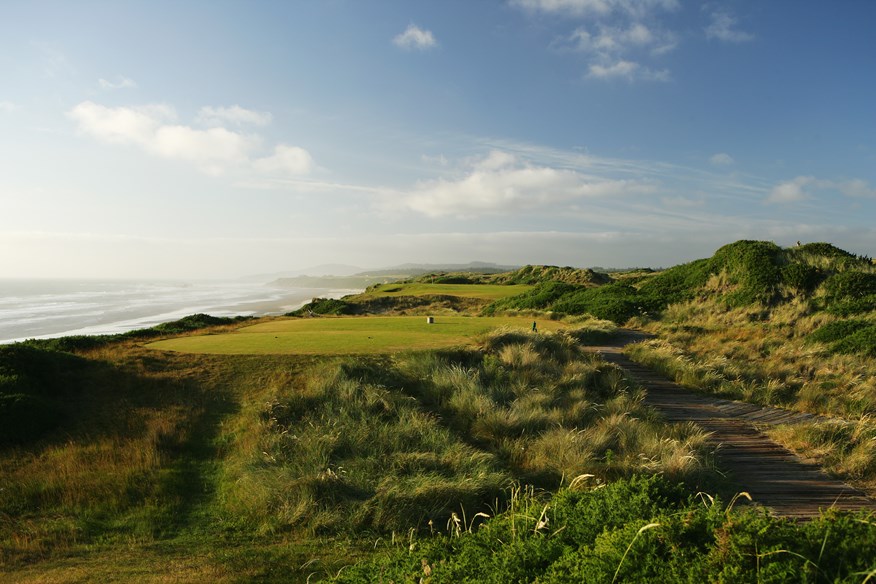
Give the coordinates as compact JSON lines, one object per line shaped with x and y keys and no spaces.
{"x":349,"y":335}
{"x":479,"y":291}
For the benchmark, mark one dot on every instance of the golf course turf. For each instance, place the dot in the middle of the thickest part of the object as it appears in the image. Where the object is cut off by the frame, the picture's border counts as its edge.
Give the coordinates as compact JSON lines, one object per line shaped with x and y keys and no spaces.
{"x":347,"y":335}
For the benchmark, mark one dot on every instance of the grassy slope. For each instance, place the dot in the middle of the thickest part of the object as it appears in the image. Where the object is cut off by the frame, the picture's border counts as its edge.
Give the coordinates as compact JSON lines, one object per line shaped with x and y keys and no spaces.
{"x":173,"y":467}
{"x":347,"y":335}
{"x":803,"y":340}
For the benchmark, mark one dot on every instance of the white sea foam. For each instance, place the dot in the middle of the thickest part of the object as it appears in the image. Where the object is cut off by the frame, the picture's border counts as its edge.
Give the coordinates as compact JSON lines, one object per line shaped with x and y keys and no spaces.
{"x":54,"y":308}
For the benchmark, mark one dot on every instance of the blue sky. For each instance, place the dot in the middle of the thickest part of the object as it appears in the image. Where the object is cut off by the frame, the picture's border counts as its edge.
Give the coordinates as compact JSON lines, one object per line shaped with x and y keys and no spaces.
{"x":215,"y":139}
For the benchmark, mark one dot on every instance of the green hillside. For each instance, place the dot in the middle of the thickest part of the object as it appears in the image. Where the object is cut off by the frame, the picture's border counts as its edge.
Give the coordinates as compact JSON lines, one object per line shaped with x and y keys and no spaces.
{"x":739,"y":274}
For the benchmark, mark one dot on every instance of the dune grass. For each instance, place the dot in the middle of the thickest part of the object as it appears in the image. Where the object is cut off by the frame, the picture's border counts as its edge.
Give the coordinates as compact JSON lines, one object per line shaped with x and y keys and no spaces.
{"x":348,"y":335}
{"x":772,"y":356}
{"x":180,"y":467}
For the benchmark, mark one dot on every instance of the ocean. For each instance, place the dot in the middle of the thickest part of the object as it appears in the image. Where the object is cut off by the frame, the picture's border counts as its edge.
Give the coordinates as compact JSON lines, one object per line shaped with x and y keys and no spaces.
{"x":39,"y":309}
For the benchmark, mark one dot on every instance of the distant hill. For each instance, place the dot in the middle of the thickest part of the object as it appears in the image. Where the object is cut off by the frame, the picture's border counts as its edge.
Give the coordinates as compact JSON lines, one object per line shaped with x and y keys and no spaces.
{"x":410,"y":269}
{"x":320,"y":270}
{"x":365,"y":278}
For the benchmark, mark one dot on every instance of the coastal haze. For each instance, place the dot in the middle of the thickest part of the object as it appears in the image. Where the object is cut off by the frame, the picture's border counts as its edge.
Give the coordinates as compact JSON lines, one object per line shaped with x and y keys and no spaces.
{"x":54,"y":308}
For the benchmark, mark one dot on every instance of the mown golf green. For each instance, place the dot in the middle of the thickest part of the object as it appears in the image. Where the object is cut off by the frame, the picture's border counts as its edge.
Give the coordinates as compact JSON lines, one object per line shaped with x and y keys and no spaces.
{"x":482,"y":291}
{"x":347,"y":335}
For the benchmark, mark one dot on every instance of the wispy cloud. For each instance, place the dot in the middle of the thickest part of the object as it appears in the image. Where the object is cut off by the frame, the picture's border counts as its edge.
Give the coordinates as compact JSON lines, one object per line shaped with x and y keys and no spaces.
{"x":805,"y":187}
{"x":7,"y":107}
{"x":501,"y":184}
{"x":723,"y":28}
{"x":236,"y":115}
{"x":618,"y":39}
{"x":286,"y":160}
{"x":626,"y":70}
{"x":415,"y":37}
{"x":120,"y":83}
{"x":791,"y":191}
{"x":579,"y":8}
{"x":856,"y":188}
{"x":214,"y":150}
{"x":721,"y":159}
{"x":55,"y":63}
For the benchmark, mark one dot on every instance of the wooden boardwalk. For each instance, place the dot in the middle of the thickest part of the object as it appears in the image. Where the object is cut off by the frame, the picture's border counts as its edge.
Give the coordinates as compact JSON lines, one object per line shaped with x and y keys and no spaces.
{"x":771,"y":474}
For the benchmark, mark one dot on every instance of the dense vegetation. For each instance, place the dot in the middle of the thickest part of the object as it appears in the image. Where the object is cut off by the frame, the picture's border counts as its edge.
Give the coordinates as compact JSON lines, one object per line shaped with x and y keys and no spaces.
{"x":517,"y":459}
{"x":642,"y":529}
{"x":739,"y":274}
{"x":39,"y":378}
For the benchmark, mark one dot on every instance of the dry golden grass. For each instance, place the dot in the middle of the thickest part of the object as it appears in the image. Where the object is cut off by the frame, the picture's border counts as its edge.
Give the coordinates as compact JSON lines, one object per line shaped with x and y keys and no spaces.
{"x":760,"y":355}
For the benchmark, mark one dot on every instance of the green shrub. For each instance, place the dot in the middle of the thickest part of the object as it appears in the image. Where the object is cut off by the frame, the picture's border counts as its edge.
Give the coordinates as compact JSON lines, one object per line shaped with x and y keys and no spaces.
{"x":632,"y":530}
{"x":323,"y":306}
{"x":452,"y":280}
{"x":836,"y":331}
{"x":539,"y":298}
{"x":823,"y":249}
{"x":615,"y":302}
{"x":850,"y":285}
{"x":802,"y":277}
{"x":24,"y":418}
{"x":678,"y":283}
{"x":861,"y":342}
{"x":34,"y":382}
{"x":851,"y":307}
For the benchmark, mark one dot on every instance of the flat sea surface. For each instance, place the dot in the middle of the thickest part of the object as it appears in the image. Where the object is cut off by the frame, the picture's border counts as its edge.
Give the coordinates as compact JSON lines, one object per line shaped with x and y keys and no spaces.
{"x":55,"y":308}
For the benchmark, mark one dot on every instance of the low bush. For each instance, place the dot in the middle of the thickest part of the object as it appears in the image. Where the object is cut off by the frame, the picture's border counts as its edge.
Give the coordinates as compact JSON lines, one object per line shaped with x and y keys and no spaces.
{"x":24,"y":417}
{"x":633,"y":530}
{"x":323,"y":306}
{"x":543,"y":296}
{"x":862,"y":342}
{"x":847,"y":336}
{"x":74,"y":343}
{"x":850,"y":285}
{"x":802,"y":278}
{"x":837,"y":331}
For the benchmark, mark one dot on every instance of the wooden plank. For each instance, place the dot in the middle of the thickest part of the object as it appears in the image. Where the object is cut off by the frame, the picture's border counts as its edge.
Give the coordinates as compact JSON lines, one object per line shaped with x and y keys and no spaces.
{"x":771,"y":474}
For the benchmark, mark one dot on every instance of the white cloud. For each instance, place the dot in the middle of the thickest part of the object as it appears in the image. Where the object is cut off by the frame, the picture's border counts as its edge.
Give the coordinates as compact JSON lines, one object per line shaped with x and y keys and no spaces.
{"x":121,"y":83}
{"x":628,"y":70}
{"x":211,"y":150}
{"x":856,"y":188}
{"x":616,"y":50}
{"x":792,"y":191}
{"x":722,"y":28}
{"x":580,"y":8}
{"x":217,"y":116}
{"x":286,"y":160}
{"x":604,"y":41}
{"x":214,"y":150}
{"x":415,"y":37}
{"x":801,"y":187}
{"x":7,"y":107}
{"x":625,"y":69}
{"x":722,"y":159}
{"x":502,"y":184}
{"x":121,"y":125}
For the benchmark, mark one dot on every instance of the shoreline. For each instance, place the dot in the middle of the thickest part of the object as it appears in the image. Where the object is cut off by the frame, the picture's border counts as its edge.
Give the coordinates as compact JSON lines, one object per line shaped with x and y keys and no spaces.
{"x":146,"y":316}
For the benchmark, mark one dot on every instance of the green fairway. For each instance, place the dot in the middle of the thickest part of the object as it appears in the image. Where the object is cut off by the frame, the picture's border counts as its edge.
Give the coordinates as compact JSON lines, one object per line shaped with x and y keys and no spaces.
{"x":348,"y":335}
{"x":482,"y":291}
